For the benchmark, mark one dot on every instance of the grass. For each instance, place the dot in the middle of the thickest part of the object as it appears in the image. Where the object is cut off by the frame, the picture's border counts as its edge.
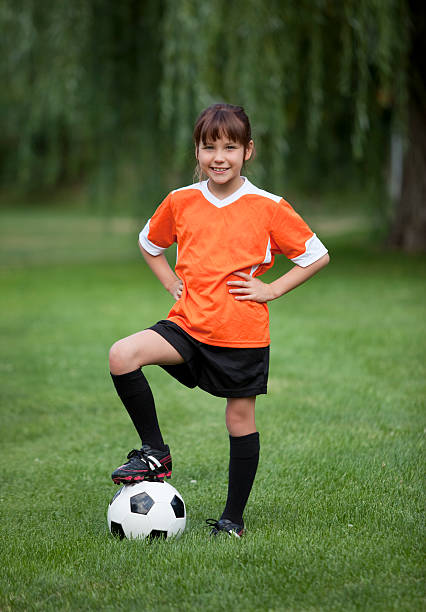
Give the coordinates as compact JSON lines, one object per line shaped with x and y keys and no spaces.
{"x":335,"y":518}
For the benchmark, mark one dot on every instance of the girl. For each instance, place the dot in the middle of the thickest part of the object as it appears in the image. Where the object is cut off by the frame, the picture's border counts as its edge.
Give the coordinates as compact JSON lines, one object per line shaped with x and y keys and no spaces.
{"x":216,"y":335}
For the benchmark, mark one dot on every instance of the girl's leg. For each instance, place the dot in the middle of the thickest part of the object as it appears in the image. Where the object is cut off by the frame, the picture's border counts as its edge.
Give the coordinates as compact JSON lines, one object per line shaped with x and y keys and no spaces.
{"x":126,"y":358}
{"x":243,"y":456}
{"x":240,"y":419}
{"x":143,"y":348}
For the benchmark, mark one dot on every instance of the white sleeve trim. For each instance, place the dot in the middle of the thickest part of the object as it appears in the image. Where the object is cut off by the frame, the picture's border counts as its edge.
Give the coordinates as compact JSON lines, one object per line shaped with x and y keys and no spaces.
{"x":153,"y":249}
{"x":314,"y":250}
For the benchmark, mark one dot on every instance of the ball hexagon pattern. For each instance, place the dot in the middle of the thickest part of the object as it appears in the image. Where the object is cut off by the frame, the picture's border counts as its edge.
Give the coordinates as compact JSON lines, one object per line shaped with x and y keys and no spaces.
{"x":147,"y":510}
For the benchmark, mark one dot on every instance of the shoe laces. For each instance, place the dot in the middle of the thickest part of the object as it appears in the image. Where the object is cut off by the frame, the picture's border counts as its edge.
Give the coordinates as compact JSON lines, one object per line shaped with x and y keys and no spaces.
{"x":134,"y":453}
{"x":144,"y":455}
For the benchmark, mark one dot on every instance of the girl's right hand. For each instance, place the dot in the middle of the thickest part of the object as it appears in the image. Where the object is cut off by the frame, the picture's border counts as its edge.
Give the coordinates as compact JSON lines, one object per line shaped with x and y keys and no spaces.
{"x":176,"y":289}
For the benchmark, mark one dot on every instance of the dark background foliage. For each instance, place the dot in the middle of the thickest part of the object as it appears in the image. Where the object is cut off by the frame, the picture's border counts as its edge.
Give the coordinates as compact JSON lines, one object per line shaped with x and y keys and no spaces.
{"x":104,"y":94}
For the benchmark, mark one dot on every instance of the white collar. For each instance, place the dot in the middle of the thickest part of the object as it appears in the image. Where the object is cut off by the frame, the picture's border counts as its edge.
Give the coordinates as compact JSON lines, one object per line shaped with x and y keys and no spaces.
{"x":244,"y":188}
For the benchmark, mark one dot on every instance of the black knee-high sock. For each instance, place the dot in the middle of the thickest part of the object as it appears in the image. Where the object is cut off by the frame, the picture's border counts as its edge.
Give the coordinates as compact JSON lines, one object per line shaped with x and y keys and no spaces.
{"x":135,"y":393}
{"x":243,"y":460}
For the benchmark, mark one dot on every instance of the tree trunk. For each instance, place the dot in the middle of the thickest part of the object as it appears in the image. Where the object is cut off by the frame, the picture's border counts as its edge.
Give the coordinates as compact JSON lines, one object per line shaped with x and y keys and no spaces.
{"x":408,"y":231}
{"x":409,"y":226}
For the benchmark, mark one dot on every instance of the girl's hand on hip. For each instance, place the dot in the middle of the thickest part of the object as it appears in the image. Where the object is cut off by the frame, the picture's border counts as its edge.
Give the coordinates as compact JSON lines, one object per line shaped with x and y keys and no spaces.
{"x":250,"y":289}
{"x":175,"y":289}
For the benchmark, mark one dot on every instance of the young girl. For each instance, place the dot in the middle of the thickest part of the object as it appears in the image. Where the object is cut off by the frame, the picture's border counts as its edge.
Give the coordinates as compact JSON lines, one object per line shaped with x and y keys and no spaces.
{"x":216,"y":336}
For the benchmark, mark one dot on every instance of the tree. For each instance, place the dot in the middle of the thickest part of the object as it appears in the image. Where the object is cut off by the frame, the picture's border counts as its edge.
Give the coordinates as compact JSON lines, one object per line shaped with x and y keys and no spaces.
{"x":409,"y":224}
{"x":82,"y":92}
{"x":101,"y":89}
{"x":310,"y":67}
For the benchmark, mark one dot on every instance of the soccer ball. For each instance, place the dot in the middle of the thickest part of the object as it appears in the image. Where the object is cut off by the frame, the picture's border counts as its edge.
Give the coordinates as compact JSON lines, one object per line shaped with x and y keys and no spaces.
{"x":147,"y":510}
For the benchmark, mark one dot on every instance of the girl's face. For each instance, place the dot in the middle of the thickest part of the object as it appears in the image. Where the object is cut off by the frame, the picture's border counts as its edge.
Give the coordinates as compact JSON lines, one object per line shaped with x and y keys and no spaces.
{"x":221,"y":161}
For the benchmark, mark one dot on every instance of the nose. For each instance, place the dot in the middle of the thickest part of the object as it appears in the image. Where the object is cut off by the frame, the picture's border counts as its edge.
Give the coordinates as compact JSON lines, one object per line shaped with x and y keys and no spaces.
{"x":219,"y":157}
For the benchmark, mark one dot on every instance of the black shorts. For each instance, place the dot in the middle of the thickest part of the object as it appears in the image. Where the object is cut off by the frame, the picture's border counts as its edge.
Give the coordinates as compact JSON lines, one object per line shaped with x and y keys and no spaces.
{"x":219,"y":370}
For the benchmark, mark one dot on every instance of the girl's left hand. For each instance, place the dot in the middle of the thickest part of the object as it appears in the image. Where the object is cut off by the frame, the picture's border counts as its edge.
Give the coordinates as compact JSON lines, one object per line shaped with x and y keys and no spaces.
{"x":251,"y":289}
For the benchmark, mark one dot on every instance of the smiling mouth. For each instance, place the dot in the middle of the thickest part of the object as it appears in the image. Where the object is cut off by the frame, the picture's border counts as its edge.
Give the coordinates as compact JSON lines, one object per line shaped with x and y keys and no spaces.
{"x":219,"y":169}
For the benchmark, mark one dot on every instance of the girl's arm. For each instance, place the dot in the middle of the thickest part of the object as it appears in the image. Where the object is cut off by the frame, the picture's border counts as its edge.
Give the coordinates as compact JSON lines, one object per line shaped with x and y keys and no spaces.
{"x":160,"y":266}
{"x":257,"y":291}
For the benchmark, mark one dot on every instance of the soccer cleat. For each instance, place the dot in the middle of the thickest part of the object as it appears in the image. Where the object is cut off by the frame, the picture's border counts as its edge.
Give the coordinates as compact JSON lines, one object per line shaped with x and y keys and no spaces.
{"x":144,"y":464}
{"x":225,"y":526}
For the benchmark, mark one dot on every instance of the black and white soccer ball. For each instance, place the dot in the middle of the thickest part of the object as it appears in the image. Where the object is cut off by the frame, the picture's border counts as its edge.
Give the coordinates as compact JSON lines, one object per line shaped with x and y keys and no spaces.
{"x":147,"y":510}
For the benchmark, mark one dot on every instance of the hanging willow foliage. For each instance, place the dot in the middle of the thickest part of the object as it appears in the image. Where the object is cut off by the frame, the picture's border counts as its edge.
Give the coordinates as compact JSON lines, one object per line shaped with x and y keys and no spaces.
{"x":105,"y":89}
{"x":82,"y":91}
{"x":286,"y":59}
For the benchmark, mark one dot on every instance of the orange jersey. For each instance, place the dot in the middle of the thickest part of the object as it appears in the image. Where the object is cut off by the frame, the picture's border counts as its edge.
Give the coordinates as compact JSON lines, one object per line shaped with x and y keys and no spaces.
{"x":216,"y":238}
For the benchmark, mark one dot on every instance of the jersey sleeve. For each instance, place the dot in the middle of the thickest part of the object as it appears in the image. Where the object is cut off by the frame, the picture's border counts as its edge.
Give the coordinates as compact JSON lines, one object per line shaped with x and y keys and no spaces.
{"x":160,"y":230}
{"x":292,"y":237}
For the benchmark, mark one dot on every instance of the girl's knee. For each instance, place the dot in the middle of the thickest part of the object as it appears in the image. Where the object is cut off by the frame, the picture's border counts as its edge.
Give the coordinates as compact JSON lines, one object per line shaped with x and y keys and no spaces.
{"x":240,"y":418}
{"x":234,"y":418}
{"x":128,"y":354}
{"x":119,"y":357}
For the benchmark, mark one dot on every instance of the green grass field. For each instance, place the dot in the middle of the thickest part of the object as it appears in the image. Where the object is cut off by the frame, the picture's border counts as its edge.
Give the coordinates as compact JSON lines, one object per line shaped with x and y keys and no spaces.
{"x":335,"y":519}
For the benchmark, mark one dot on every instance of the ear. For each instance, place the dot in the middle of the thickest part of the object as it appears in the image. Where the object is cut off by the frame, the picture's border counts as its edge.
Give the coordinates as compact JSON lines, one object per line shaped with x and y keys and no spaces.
{"x":249,"y":150}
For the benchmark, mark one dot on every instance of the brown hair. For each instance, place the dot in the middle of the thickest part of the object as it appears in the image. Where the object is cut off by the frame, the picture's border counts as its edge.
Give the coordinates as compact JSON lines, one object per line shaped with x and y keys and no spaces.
{"x":218,"y":120}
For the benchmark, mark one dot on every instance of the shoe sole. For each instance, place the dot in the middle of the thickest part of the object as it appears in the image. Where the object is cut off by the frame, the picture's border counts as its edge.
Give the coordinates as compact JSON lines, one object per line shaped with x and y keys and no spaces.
{"x":148,"y":477}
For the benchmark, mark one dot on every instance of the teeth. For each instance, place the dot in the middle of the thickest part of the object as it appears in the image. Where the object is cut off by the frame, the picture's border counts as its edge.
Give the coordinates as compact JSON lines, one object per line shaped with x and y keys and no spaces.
{"x":219,"y":169}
